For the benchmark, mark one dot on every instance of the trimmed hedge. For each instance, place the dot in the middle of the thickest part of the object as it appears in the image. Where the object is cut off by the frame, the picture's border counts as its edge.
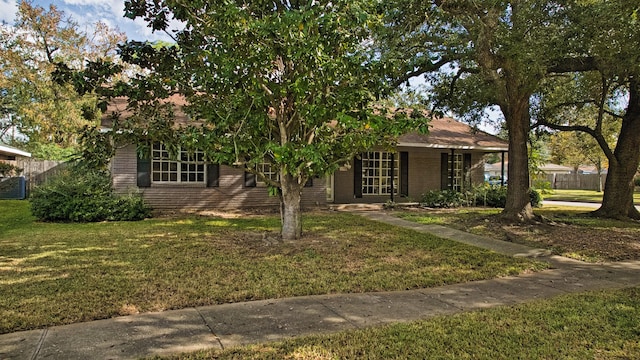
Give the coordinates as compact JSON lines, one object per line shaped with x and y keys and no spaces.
{"x":85,"y":196}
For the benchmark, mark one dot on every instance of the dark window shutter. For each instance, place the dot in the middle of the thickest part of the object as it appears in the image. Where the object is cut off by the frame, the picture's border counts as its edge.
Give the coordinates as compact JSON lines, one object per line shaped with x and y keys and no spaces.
{"x":309,"y":182}
{"x":143,"y":173}
{"x":404,"y":173}
{"x":444,"y":171}
{"x":357,"y":177}
{"x":249,"y":179}
{"x":213,"y":175}
{"x":466,"y":168}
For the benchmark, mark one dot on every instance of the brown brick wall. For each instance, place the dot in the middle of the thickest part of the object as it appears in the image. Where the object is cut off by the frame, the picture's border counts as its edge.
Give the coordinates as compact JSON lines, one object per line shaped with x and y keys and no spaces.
{"x":424,"y":175}
{"x":231,"y":194}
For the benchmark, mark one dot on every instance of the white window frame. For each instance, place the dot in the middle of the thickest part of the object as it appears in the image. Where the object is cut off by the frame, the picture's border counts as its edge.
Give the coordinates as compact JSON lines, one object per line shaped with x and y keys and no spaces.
{"x":457,"y":164}
{"x":266,"y":169}
{"x":376,"y":173}
{"x":189,"y":169}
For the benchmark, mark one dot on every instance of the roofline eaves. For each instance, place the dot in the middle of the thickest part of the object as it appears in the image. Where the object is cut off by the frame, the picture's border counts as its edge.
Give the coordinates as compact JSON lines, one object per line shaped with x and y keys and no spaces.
{"x":454,"y":147}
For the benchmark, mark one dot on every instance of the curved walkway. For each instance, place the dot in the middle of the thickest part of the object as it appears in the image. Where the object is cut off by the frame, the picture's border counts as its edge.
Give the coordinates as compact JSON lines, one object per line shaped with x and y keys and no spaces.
{"x":222,"y":326}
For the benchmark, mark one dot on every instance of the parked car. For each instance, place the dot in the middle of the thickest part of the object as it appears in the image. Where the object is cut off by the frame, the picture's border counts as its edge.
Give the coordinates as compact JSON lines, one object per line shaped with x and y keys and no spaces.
{"x":496,"y":180}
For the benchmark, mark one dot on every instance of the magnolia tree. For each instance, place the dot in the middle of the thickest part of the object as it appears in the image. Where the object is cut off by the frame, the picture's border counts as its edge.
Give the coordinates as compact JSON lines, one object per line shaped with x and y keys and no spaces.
{"x":284,"y":83}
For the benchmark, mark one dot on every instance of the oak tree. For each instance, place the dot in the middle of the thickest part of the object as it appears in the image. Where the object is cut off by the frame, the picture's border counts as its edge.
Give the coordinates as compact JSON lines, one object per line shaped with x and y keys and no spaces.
{"x":602,"y":76}
{"x":477,"y":54}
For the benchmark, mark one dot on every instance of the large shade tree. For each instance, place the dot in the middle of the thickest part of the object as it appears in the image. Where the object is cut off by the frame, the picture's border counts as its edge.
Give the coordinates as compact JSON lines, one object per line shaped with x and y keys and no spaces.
{"x":478,"y":54}
{"x":44,"y":111}
{"x":604,"y":81}
{"x":288,"y":84}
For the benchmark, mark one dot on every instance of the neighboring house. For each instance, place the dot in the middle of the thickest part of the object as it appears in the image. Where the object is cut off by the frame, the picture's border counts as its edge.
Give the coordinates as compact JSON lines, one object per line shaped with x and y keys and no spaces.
{"x":557,"y":176}
{"x":449,"y":157}
{"x":491,"y":170}
{"x":590,"y":169}
{"x":9,"y":154}
{"x":555,"y":169}
{"x":12,"y":187}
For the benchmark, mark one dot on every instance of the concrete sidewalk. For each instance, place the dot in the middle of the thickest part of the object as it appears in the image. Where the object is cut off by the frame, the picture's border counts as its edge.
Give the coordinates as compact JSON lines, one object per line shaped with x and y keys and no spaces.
{"x":223,"y":326}
{"x":590,"y":205}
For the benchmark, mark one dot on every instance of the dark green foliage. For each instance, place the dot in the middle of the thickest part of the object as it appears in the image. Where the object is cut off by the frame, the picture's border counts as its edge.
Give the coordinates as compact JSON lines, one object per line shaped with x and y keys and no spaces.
{"x":535,"y":198}
{"x":490,"y":196}
{"x":7,"y":169}
{"x":637,"y":181}
{"x":444,"y":199}
{"x":83,"y":195}
{"x":485,"y":195}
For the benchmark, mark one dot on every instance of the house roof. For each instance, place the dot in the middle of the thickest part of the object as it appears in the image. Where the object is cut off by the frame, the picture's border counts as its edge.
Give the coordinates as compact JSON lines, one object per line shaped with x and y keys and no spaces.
{"x":10,"y":151}
{"x":555,"y":168}
{"x":447,"y":133}
{"x":120,"y":106}
{"x":444,"y":133}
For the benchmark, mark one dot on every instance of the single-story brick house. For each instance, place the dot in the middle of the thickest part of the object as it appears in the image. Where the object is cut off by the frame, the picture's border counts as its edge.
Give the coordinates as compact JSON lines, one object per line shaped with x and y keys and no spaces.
{"x":449,"y":157}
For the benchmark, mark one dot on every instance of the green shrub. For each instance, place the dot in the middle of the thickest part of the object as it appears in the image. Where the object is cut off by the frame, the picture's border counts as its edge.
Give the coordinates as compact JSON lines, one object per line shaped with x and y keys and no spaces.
{"x":444,"y":199}
{"x":490,"y":195}
{"x":637,"y":181}
{"x":7,"y":169}
{"x":83,"y":195}
{"x":535,"y":198}
{"x":485,"y":195}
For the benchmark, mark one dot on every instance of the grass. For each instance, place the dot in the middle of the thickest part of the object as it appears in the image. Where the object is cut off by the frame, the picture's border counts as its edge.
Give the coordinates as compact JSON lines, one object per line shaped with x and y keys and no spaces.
{"x":52,"y":274}
{"x":567,"y":231}
{"x":581,"y":196}
{"x":593,"y":325}
{"x":566,"y":214}
{"x":447,"y":217}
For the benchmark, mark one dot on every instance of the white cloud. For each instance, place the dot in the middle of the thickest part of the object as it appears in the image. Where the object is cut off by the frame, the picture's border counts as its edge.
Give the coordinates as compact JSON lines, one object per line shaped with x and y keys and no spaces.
{"x":8,"y":10}
{"x":87,"y":12}
{"x":111,"y":12}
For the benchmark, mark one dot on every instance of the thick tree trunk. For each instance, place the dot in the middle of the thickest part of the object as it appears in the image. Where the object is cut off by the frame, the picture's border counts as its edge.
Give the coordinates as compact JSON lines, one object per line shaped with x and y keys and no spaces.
{"x":518,"y":205}
{"x":290,"y":207}
{"x":599,"y":171}
{"x":618,"y":190}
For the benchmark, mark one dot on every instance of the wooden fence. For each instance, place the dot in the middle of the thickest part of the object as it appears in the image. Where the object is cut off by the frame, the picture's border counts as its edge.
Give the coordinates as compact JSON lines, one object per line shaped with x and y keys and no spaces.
{"x":576,"y":181}
{"x":37,"y":172}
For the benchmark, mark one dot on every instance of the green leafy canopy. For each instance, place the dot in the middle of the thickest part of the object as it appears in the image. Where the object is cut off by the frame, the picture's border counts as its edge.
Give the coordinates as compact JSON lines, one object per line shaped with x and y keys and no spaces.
{"x":286,"y":82}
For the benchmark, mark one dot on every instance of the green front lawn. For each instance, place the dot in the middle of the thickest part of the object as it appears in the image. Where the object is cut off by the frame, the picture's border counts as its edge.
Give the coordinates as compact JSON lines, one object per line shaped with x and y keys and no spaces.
{"x":594,"y":325}
{"x":566,"y":230}
{"x":54,"y":274}
{"x":581,"y":196}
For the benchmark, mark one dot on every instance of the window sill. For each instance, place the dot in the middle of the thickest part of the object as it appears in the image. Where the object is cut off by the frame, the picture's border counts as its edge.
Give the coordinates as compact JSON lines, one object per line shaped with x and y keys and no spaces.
{"x":177,"y":184}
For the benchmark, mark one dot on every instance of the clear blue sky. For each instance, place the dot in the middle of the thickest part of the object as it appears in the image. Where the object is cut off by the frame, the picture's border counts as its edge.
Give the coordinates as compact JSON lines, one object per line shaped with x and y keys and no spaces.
{"x":88,"y":12}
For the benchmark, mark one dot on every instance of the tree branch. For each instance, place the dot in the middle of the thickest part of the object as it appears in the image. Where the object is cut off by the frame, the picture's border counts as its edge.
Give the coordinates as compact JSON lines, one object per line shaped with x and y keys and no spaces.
{"x":585,"y":129}
{"x":421,"y":69}
{"x":578,"y":64}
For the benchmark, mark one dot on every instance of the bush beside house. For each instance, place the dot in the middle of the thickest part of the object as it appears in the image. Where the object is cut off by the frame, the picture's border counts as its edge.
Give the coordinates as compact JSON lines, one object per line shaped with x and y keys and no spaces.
{"x":484,"y":195}
{"x":82,"y":195}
